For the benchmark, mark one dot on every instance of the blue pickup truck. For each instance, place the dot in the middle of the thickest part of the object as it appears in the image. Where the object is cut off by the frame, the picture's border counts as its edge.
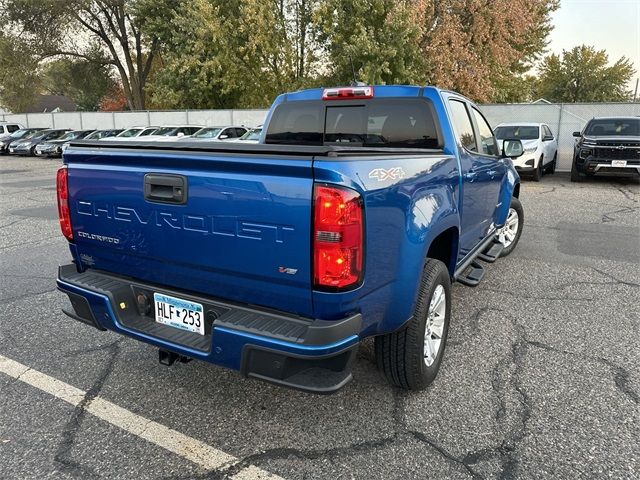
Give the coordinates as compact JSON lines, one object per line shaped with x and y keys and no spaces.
{"x":350,"y":219}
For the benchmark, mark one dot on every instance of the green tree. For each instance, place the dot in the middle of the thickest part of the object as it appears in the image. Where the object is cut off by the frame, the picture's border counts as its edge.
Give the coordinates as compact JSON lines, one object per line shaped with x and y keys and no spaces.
{"x":86,"y":82}
{"x":55,"y":28}
{"x":583,"y":74}
{"x":19,"y":78}
{"x":235,"y":54}
{"x":380,"y":37}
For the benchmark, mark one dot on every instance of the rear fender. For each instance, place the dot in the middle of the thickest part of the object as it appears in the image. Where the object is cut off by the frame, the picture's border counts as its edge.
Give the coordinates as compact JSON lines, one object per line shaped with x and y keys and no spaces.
{"x":402,"y":217}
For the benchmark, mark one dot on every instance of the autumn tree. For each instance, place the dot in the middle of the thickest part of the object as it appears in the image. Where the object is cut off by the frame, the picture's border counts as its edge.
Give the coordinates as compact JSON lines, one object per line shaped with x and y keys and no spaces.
{"x":67,"y":28}
{"x":583,"y":74}
{"x":483,"y":48}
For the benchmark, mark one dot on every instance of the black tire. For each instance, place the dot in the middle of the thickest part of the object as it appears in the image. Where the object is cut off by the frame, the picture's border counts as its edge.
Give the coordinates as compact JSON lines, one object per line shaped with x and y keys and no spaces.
{"x":576,"y":176}
{"x":32,"y":152}
{"x":400,"y":355}
{"x":537,"y":173}
{"x":517,"y":206}
{"x":552,"y":166}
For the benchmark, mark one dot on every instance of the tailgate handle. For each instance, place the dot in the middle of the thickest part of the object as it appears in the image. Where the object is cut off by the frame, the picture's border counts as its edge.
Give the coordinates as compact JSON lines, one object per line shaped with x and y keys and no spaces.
{"x":162,"y":188}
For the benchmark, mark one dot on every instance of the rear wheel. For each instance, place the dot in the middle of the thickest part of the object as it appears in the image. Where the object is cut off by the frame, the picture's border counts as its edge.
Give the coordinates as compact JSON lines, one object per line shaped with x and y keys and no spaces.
{"x":510,"y":233}
{"x":410,"y":358}
{"x":537,"y":174}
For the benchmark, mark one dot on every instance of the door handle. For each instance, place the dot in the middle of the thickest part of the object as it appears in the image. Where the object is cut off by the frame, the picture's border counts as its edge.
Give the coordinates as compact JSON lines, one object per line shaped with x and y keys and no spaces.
{"x":470,"y":175}
{"x":492,"y":172}
{"x":161,"y":188}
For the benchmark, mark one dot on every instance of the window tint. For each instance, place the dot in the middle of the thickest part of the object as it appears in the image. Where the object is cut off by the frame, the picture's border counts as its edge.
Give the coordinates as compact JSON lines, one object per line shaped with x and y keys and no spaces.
{"x":345,"y":125}
{"x":2,"y":130}
{"x":399,"y":123}
{"x":520,"y":132}
{"x":296,"y":123}
{"x":547,"y":131}
{"x":13,"y":128}
{"x":240,"y":132}
{"x":613,"y":127}
{"x":463,"y":126}
{"x":487,"y":142}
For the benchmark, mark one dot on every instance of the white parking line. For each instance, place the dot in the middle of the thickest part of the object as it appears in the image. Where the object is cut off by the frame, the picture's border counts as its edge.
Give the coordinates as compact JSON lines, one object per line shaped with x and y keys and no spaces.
{"x":189,"y":448}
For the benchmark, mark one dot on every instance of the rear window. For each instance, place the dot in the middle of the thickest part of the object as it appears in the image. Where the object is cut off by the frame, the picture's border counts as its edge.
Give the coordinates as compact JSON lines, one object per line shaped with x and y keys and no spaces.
{"x":627,"y":127}
{"x":398,"y":123}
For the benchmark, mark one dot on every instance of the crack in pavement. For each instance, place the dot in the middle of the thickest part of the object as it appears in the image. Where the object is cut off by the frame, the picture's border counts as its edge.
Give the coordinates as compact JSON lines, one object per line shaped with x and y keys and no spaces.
{"x":71,"y":429}
{"x":25,"y":295}
{"x":621,"y":377}
{"x":615,"y":279}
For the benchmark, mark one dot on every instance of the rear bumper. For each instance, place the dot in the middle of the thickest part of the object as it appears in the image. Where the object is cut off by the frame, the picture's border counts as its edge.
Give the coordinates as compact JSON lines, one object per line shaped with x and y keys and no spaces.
{"x":306,"y":354}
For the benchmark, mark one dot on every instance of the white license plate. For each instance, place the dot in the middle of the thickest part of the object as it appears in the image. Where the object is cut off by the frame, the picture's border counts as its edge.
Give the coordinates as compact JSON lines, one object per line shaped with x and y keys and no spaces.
{"x":179,"y":313}
{"x":618,"y":163}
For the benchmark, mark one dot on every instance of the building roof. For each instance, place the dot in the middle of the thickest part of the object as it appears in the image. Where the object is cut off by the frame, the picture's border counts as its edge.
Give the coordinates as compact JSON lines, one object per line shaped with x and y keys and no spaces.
{"x":52,"y":103}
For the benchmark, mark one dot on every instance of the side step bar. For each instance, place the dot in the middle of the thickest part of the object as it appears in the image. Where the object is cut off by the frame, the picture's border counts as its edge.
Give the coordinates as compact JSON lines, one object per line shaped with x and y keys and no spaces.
{"x":492,"y":253}
{"x":473,"y":275}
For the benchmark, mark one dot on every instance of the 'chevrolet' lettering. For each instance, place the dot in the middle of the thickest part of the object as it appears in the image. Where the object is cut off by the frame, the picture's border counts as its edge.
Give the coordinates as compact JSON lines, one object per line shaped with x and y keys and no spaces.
{"x":204,"y":224}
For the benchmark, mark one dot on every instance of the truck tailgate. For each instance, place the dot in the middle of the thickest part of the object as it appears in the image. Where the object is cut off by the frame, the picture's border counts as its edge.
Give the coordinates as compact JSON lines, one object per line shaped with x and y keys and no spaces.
{"x":235,"y":226}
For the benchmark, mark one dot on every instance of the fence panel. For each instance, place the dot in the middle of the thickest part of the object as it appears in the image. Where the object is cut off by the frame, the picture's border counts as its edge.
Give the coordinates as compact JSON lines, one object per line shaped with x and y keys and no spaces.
{"x":563,"y":119}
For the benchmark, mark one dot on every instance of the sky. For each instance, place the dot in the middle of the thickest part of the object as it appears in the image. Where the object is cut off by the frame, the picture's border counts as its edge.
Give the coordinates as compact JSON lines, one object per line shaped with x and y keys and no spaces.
{"x":611,"y":25}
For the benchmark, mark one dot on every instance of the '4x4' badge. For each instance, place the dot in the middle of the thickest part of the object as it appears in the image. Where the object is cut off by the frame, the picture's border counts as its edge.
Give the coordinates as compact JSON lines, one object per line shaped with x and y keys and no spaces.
{"x":382,"y":174}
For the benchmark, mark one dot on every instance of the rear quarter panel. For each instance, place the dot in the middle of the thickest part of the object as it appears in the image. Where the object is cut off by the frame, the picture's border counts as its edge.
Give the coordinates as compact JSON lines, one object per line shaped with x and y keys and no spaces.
{"x":409,"y":200}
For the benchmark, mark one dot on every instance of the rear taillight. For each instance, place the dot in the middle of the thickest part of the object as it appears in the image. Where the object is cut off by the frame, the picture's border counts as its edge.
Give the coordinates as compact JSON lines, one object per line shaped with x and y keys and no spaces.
{"x":63,"y":203}
{"x":338,"y":244}
{"x":347,"y":93}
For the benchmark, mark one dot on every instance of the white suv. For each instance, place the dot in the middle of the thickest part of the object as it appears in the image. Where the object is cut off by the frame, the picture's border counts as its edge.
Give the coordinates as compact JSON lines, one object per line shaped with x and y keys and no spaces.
{"x":540,"y":147}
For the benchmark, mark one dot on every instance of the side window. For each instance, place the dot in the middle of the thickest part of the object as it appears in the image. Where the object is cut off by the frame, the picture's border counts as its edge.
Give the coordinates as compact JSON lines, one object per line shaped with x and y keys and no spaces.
{"x":487,"y":141}
{"x":547,"y":131}
{"x":229,"y":132}
{"x":2,"y":129}
{"x":13,"y":128}
{"x":463,"y":125}
{"x":240,"y":132}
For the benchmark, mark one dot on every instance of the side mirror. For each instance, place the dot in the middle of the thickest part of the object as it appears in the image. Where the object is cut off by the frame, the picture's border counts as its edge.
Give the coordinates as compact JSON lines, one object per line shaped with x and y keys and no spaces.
{"x":577,"y":134}
{"x":512,"y":148}
{"x":547,"y":138}
{"x":222,"y":137}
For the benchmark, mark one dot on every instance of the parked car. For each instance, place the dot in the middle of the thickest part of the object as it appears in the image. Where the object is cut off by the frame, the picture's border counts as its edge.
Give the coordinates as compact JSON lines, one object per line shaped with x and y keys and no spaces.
{"x":540,"y":147}
{"x":252,"y":135}
{"x":607,"y":146}
{"x":27,"y":146}
{"x":217,"y":134}
{"x":171,"y":133}
{"x":133,"y":132}
{"x":53,"y":148}
{"x":23,"y":133}
{"x":100,"y":134}
{"x":278,"y":259}
{"x":8,"y":128}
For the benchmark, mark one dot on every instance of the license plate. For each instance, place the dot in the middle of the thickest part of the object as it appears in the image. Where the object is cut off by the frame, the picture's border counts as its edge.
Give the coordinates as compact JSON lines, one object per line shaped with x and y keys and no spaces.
{"x":179,"y":313}
{"x":618,"y":163}
{"x":11,"y":150}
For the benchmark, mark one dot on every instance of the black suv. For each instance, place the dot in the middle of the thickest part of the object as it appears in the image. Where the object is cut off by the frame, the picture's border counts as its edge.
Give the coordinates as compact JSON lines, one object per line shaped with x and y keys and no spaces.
{"x":609,"y":146}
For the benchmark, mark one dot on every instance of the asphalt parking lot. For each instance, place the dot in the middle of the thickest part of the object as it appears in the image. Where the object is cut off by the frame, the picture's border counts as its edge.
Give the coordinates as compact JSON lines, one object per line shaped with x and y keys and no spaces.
{"x":540,"y":378}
